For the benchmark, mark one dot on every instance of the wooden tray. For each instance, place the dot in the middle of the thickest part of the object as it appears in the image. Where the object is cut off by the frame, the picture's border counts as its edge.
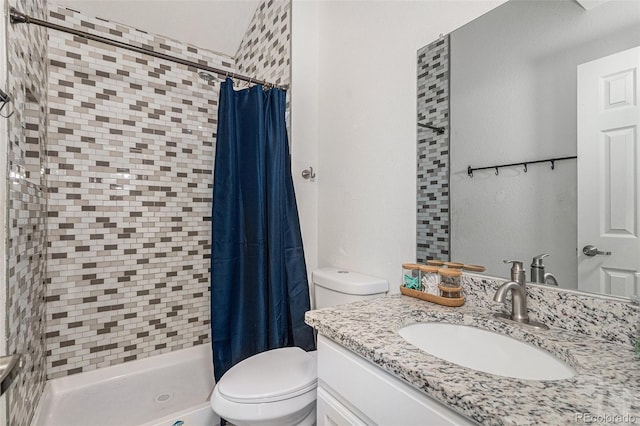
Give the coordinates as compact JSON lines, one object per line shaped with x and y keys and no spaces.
{"x":444,"y":301}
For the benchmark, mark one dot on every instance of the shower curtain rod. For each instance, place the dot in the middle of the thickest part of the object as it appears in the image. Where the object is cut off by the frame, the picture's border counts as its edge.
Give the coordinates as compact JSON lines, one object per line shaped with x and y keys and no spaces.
{"x":18,"y":17}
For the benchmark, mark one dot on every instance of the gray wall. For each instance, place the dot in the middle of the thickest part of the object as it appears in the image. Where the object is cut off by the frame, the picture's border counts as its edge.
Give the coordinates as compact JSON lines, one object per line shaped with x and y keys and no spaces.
{"x":513,"y":98}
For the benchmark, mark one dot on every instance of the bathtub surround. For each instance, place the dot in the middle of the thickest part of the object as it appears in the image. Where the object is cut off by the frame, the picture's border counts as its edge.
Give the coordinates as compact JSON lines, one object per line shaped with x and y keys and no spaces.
{"x":433,"y":152}
{"x":27,"y":214}
{"x":130,"y":153}
{"x":589,"y":333}
{"x":132,"y":142}
{"x":103,"y":266}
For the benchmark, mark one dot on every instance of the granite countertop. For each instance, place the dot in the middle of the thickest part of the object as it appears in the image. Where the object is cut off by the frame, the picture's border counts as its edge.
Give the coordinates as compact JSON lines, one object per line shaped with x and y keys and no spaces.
{"x":607,"y":383}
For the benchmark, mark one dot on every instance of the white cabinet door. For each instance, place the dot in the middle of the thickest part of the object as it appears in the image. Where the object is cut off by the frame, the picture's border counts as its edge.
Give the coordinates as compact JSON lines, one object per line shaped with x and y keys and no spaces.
{"x":608,"y":175}
{"x":374,"y":396}
{"x":331,"y":412}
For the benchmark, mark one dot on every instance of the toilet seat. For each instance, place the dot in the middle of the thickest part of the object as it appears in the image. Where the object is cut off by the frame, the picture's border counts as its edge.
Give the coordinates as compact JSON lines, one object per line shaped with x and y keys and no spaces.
{"x":270,"y":376}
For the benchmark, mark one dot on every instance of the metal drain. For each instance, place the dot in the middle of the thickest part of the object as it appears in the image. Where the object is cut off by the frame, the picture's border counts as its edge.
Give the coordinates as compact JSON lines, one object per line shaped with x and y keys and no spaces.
{"x":163,"y":398}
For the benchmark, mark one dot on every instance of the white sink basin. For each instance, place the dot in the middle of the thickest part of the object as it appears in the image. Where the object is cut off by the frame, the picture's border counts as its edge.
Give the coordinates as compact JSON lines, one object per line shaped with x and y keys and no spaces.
{"x":486,"y":351}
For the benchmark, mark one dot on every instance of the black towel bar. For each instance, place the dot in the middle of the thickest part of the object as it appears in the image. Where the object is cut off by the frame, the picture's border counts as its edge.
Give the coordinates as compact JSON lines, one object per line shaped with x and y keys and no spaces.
{"x":470,"y":169}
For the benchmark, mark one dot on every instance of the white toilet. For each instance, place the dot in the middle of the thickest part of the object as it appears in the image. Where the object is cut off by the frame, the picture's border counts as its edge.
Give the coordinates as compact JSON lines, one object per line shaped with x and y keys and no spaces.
{"x":278,"y":387}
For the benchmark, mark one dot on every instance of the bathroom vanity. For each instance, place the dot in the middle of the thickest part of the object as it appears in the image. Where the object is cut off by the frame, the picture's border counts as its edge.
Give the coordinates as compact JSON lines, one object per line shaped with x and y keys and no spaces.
{"x":368,"y":374}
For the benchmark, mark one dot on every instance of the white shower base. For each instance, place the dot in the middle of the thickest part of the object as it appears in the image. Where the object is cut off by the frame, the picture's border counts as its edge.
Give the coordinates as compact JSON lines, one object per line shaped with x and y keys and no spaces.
{"x":160,"y":390}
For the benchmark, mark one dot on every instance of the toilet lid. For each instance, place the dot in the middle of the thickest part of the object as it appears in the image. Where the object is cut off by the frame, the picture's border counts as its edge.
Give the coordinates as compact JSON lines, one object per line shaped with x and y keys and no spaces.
{"x":270,"y":376}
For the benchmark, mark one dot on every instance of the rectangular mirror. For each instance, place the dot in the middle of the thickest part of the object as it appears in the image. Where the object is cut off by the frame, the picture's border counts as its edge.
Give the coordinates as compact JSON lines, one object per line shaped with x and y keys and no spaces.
{"x":505,"y":88}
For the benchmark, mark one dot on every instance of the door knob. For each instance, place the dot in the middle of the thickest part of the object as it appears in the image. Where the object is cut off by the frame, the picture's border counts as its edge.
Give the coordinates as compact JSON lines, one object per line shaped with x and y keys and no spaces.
{"x":591,"y":250}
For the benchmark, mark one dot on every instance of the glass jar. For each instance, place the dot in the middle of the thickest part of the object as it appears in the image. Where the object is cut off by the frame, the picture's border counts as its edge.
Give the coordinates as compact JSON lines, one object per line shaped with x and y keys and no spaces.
{"x":450,"y":282}
{"x":429,"y":278}
{"x":411,"y":276}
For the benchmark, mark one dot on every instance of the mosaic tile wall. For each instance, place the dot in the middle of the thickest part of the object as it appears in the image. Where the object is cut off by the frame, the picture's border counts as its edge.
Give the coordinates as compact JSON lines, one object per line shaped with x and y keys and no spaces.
{"x":433,"y":152}
{"x":130,"y":152}
{"x":265,"y":50}
{"x":26,"y":197}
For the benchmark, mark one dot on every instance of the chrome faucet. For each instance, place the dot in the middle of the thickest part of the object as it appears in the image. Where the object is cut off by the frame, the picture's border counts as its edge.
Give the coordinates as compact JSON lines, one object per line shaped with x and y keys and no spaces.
{"x":538,"y":275}
{"x":518,"y":288}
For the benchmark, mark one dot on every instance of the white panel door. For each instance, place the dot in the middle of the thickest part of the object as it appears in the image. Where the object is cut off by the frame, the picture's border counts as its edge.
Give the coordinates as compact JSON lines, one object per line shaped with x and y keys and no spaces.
{"x":608,"y":178}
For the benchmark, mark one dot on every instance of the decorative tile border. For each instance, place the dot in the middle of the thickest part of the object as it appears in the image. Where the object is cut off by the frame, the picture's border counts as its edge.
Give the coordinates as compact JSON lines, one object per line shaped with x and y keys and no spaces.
{"x":433,"y":152}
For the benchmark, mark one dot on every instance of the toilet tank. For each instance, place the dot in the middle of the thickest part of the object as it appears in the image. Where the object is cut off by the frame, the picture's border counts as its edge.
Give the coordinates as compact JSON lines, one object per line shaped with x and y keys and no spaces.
{"x":333,"y":286}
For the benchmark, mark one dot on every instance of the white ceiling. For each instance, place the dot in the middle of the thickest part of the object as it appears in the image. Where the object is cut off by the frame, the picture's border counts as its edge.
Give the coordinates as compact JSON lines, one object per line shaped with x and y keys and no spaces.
{"x":217,"y":25}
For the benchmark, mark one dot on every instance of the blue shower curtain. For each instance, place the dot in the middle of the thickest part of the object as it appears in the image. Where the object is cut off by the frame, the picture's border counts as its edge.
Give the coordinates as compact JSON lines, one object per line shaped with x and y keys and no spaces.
{"x":259,"y":289}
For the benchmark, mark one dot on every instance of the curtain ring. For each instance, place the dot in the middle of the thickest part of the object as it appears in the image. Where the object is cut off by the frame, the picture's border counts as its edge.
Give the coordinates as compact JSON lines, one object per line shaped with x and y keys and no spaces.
{"x":497,"y":171}
{"x":2,"y":107}
{"x":553,"y":164}
{"x":525,"y":167}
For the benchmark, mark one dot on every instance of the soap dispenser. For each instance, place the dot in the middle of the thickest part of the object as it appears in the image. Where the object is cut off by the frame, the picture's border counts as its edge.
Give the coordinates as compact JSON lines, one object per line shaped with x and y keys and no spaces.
{"x":517,"y":271}
{"x":538,"y":274}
